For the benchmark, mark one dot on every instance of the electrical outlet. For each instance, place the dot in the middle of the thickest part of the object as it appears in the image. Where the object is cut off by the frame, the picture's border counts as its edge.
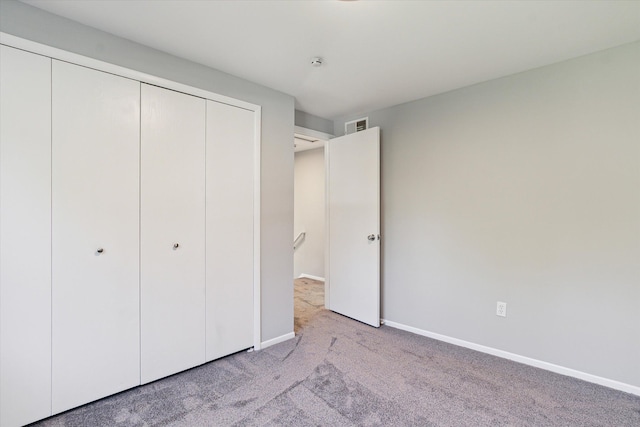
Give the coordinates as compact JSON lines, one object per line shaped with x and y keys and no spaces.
{"x":501,"y":309}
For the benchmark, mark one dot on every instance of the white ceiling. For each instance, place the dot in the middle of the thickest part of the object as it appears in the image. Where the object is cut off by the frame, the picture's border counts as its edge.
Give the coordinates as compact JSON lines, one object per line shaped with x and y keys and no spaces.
{"x":376,"y":53}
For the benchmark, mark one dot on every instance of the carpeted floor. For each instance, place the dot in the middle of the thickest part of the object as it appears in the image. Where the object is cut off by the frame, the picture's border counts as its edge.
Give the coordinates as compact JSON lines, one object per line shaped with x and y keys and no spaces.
{"x":338,"y":372}
{"x":308,"y":299}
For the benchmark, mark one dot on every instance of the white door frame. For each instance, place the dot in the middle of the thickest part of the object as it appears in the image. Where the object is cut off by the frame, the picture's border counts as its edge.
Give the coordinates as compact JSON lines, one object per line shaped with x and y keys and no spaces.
{"x":324,"y":138}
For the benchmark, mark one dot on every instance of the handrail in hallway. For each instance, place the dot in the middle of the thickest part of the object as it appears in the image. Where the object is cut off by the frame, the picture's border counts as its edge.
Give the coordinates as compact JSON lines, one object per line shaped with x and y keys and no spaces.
{"x":299,"y":239}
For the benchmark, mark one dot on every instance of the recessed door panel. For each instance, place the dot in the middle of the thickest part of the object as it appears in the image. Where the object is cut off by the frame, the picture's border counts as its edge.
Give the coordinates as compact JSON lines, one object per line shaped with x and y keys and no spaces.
{"x":25,"y":237}
{"x":95,"y":217}
{"x":353,"y":219}
{"x":230,"y":181}
{"x":172,"y":232}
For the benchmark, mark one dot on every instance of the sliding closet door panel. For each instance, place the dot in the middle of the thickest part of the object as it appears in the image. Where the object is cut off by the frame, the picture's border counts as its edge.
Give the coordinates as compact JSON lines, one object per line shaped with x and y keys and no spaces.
{"x":96,"y":131}
{"x":172,"y":232}
{"x":230,"y":177}
{"x":25,"y":237}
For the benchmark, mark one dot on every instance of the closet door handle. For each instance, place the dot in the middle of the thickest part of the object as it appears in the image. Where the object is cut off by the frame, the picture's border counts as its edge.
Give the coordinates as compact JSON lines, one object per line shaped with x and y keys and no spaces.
{"x":371,"y":237}
{"x":100,"y":250}
{"x":176,"y":246}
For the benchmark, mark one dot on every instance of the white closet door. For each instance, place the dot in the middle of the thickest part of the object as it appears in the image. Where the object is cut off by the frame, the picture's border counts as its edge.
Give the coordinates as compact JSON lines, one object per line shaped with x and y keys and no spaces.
{"x":95,"y":274}
{"x":172,"y":232}
{"x":230,"y":178}
{"x":25,"y":237}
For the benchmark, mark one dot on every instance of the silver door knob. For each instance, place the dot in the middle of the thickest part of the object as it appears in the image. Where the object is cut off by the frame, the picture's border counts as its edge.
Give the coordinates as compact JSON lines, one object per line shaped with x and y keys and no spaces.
{"x":371,"y":237}
{"x":100,"y":250}
{"x":176,"y":246}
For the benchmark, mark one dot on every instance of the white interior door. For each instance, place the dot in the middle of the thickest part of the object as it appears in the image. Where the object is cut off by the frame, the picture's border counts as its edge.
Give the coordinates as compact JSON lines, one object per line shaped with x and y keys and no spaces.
{"x":230,"y":160}
{"x":25,"y":237}
{"x":172,"y":230}
{"x":353,"y":224}
{"x":95,"y":234}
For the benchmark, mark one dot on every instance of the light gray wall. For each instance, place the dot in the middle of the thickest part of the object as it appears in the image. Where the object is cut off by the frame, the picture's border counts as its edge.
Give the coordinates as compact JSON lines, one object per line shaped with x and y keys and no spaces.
{"x":309,"y":212}
{"x":277,"y":131}
{"x":524,"y":189}
{"x":312,"y":122}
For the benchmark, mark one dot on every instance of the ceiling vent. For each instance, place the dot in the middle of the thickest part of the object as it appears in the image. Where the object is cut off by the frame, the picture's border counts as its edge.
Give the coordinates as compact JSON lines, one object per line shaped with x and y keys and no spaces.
{"x":356,"y":125}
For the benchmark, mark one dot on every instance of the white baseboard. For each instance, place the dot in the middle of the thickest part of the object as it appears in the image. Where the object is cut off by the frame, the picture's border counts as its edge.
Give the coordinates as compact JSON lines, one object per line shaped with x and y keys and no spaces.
{"x":310,"y":276}
{"x":276,"y":340}
{"x":617,"y":385}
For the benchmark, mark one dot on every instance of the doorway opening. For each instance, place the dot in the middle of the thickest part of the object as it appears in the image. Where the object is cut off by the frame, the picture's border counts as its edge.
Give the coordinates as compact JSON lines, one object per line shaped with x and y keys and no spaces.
{"x":309,"y":225}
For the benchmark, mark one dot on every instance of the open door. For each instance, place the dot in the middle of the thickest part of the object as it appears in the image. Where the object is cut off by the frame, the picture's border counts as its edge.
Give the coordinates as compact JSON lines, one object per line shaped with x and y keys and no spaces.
{"x":352,"y":260}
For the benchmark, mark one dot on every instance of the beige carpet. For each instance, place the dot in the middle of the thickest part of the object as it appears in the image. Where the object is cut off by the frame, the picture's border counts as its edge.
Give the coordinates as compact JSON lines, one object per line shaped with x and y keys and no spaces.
{"x":308,"y":297}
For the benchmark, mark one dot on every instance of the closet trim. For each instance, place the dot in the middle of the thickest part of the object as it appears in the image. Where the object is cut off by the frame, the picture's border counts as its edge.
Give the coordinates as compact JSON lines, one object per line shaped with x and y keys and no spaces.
{"x":74,"y":58}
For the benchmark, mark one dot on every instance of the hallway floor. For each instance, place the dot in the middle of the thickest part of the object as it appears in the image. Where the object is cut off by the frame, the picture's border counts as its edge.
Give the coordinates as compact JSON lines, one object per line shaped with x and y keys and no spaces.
{"x":308,"y":299}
